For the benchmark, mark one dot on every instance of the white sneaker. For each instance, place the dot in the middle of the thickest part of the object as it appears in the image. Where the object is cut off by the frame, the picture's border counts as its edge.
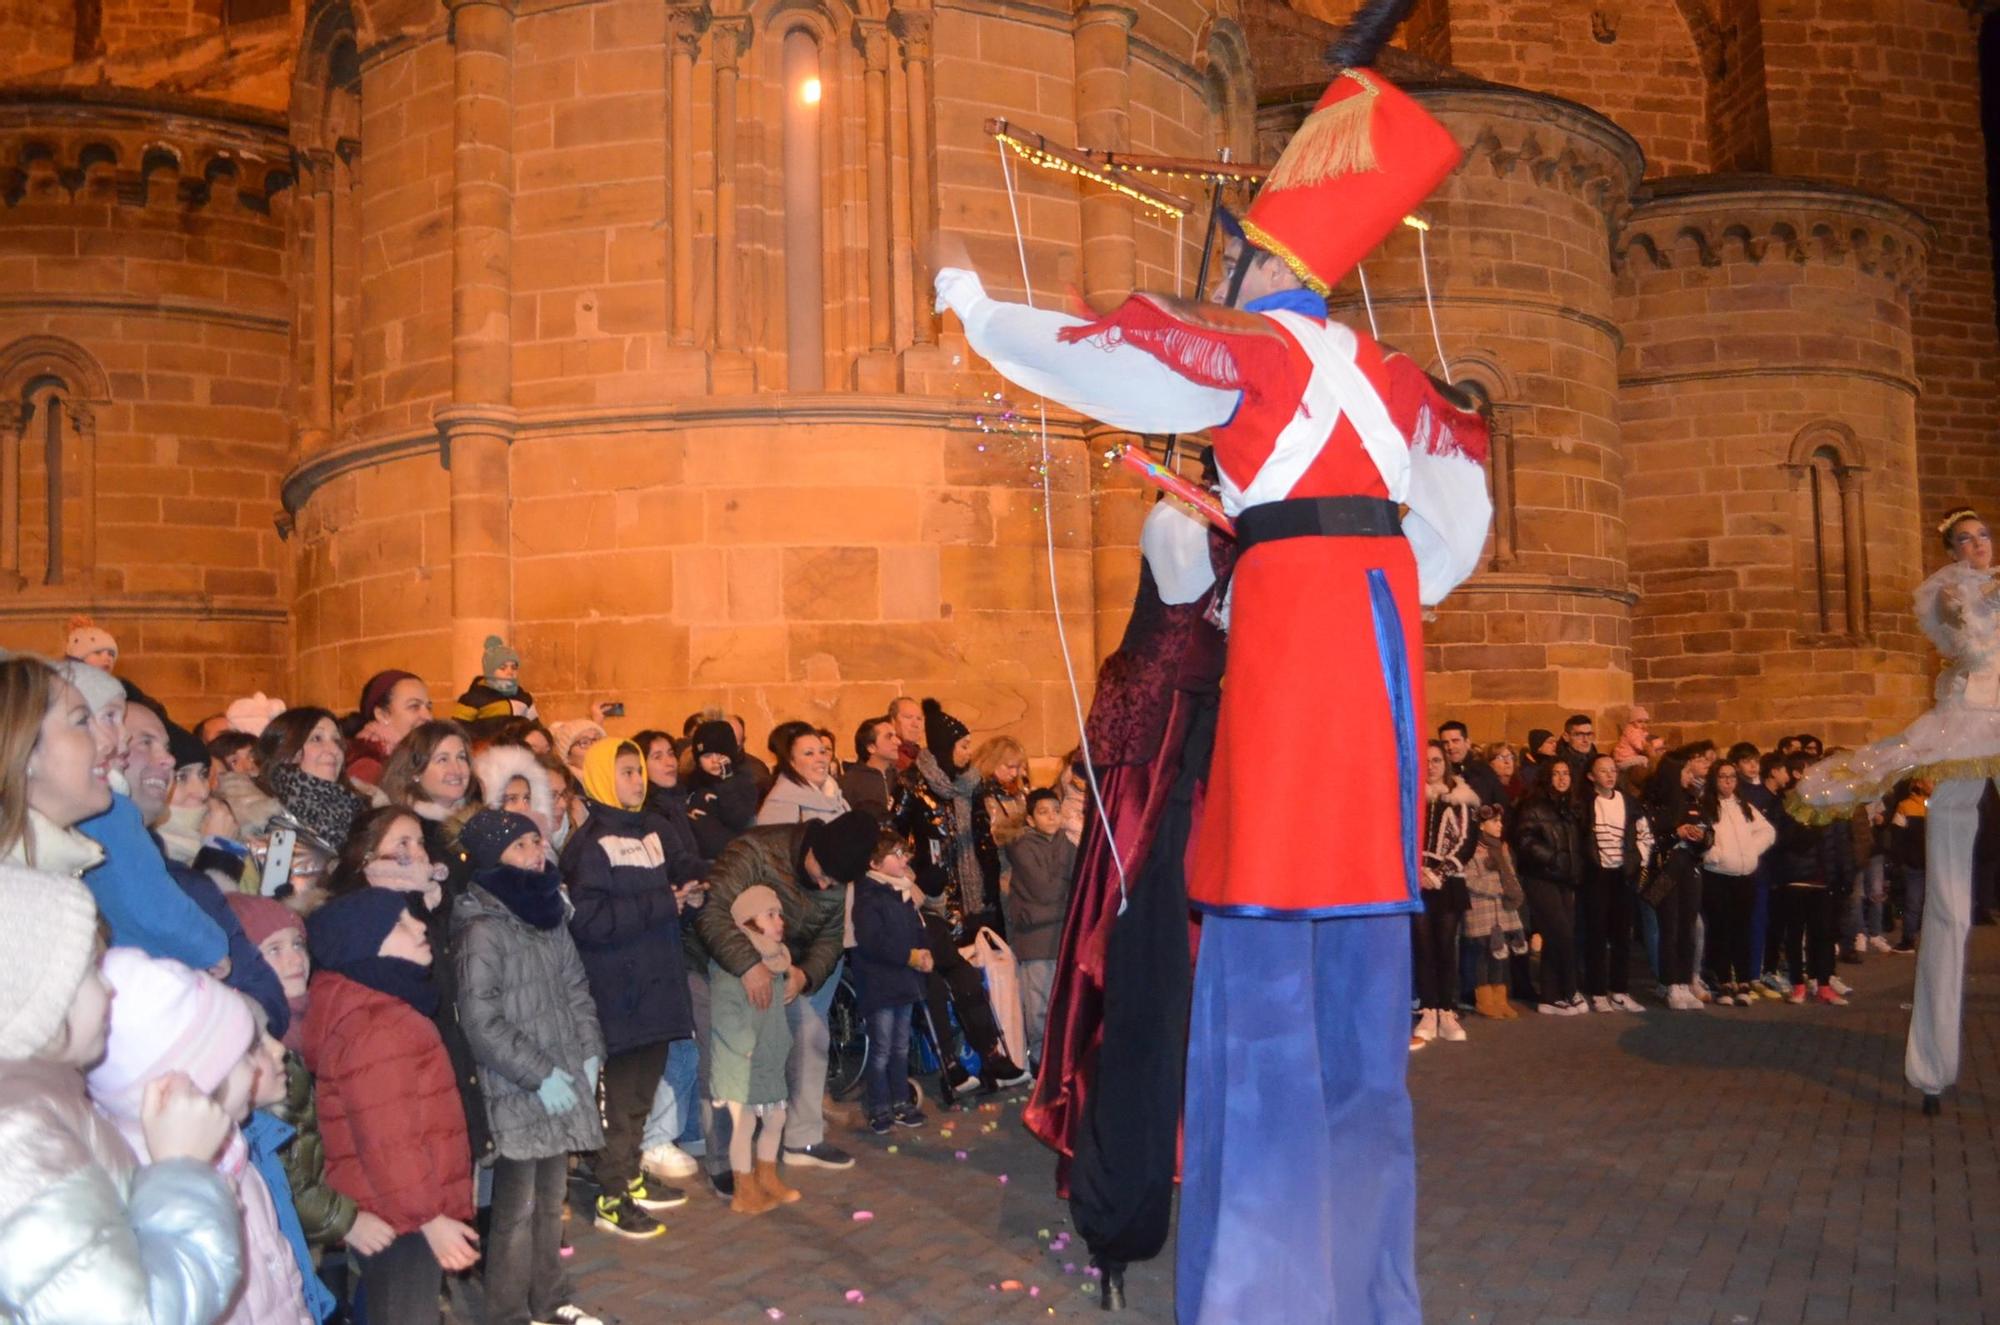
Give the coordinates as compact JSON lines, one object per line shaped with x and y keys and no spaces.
{"x":1599,"y":1003}
{"x":1880,"y":943}
{"x":668,"y":1162}
{"x":1626,"y":1003}
{"x":1860,"y":943}
{"x":1554,"y":1009}
{"x":1840,"y":986}
{"x":1427,"y":1024}
{"x":1449,"y":1029}
{"x":1682,"y":999}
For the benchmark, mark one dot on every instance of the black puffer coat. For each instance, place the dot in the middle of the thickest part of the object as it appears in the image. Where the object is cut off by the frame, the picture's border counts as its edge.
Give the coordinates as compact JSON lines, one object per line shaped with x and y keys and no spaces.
{"x":622,"y":867}
{"x":1547,"y":840}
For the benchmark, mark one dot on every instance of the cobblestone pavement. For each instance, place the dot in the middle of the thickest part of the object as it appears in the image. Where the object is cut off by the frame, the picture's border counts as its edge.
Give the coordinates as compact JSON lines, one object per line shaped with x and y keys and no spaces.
{"x":1735,"y":1166}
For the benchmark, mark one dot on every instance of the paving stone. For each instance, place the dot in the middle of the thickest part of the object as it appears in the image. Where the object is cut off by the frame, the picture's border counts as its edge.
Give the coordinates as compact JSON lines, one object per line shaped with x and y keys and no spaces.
{"x":1729,"y":1167}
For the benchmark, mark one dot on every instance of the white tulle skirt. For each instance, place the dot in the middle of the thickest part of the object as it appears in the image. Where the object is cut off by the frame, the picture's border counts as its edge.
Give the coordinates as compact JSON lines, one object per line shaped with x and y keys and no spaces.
{"x":1953,"y":740}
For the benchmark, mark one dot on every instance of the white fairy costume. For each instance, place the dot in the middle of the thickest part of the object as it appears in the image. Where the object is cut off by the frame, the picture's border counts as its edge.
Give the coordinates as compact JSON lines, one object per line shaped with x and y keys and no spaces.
{"x":1956,"y":746}
{"x":1959,"y":608}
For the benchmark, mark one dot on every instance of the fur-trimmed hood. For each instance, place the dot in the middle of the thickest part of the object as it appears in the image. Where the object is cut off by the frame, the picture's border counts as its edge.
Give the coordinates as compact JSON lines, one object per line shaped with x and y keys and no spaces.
{"x":497,"y":765}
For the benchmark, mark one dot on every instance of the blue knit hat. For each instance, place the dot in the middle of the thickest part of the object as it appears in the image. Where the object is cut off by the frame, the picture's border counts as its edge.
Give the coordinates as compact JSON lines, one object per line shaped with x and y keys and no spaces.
{"x":491,"y":832}
{"x":350,"y":929}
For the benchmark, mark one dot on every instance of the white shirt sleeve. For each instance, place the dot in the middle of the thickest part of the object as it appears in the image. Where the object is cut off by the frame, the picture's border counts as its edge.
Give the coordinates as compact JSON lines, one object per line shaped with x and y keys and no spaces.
{"x":1113,"y":383}
{"x":1449,"y":512}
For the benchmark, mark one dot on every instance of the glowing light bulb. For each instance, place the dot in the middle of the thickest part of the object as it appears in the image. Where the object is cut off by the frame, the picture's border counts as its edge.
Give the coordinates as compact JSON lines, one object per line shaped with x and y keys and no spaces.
{"x":809,"y":92}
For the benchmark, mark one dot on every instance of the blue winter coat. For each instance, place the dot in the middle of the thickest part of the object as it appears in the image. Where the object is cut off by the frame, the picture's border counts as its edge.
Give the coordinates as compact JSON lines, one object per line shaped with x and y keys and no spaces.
{"x":621,"y":867}
{"x":264,"y":1136}
{"x":139,"y":899}
{"x":886,"y":928}
{"x":249,"y":973}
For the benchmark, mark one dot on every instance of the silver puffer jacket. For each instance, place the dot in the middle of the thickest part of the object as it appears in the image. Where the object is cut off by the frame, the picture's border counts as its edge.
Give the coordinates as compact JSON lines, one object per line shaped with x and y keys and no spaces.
{"x":89,"y":1236}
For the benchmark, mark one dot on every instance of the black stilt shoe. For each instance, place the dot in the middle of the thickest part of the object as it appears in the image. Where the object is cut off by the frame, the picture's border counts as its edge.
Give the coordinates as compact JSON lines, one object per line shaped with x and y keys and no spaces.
{"x":1111,"y":1295}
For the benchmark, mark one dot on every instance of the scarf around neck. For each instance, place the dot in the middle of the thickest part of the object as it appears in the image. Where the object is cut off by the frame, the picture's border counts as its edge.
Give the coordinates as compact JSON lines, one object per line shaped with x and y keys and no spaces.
{"x":327,"y":808}
{"x":534,"y":896}
{"x":955,"y":795}
{"x":399,"y":978}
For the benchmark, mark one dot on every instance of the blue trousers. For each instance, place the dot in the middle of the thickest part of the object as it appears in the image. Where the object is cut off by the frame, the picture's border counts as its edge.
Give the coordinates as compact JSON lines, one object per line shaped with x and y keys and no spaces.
{"x":886,"y":1074}
{"x":1298,"y":1187}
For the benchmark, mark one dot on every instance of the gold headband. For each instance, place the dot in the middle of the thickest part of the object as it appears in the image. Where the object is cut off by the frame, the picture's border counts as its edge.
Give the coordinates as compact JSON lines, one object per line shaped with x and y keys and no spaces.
{"x":1962,"y":513}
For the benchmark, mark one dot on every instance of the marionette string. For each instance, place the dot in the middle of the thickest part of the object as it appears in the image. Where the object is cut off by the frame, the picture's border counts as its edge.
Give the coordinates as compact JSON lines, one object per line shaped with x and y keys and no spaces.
{"x":1055,"y":587}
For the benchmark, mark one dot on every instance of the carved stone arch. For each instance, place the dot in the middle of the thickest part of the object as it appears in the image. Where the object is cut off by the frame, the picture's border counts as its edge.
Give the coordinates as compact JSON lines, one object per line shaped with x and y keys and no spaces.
{"x":48,"y":369}
{"x":1488,"y":375}
{"x":329,"y":57}
{"x":1229,"y":84}
{"x":1825,"y":465}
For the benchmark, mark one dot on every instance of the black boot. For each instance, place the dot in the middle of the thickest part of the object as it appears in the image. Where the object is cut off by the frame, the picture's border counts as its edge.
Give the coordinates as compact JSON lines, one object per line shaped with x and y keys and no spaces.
{"x":1932,"y":1106}
{"x":1111,"y":1295}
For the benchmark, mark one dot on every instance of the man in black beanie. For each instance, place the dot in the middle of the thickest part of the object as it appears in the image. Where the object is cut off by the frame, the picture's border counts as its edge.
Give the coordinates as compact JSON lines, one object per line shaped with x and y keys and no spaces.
{"x":809,"y":866}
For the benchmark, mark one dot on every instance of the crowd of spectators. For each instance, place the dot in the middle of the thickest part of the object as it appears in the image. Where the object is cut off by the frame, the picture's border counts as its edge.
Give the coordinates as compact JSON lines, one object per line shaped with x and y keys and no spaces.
{"x":1550,"y":867}
{"x":301,"y":1012}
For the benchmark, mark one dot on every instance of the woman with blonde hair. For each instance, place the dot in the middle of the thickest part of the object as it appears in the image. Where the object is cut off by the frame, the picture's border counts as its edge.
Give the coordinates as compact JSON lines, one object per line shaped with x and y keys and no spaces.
{"x":1002,"y":763}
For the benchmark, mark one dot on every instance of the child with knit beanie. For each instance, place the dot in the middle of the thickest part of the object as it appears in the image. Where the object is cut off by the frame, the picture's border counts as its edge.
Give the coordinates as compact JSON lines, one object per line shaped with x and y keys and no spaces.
{"x":389,"y":1106}
{"x":746,"y":1058}
{"x":525,"y":1004}
{"x":166,"y":1018}
{"x":87,"y":1231}
{"x":326,"y":1217}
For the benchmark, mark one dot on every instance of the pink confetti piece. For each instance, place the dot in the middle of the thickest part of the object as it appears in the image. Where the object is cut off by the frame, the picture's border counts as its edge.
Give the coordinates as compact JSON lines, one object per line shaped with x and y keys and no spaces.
{"x":958,"y":1154}
{"x":774,"y":1313}
{"x":1034,"y":1290}
{"x":1010,"y":1285}
{"x":1003,"y":1180}
{"x":855,"y":1295}
{"x":863,"y":1216}
{"x":1069,"y":1267}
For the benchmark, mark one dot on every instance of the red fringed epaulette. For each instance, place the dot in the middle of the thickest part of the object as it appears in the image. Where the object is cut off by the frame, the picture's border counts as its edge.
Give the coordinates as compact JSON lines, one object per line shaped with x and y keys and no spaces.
{"x":1436,"y":419}
{"x":1213,"y":346}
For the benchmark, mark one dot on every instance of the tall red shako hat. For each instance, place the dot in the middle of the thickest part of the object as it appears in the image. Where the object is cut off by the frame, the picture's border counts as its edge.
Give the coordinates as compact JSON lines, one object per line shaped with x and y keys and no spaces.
{"x":1365,"y":156}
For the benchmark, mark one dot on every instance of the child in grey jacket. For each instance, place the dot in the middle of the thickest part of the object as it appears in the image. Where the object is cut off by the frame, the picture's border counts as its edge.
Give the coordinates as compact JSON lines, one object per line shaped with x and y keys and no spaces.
{"x":1042,"y":861}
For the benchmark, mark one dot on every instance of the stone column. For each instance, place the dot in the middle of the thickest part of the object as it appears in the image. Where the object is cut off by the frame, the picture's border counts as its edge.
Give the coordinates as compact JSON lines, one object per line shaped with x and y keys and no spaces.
{"x":10,"y":497}
{"x":913,"y":26}
{"x":734,"y":371}
{"x":876,"y":369}
{"x":478,"y":425}
{"x":319,"y":415}
{"x":1103,"y":113}
{"x":684,"y":28}
{"x":1767,"y":327}
{"x":1519,"y":256}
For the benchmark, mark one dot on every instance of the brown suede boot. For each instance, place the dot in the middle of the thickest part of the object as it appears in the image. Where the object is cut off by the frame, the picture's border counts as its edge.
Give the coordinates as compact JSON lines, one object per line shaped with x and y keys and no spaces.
{"x":772,"y":1185}
{"x":1482,"y":998}
{"x":751,"y":1198}
{"x":1508,"y":1012}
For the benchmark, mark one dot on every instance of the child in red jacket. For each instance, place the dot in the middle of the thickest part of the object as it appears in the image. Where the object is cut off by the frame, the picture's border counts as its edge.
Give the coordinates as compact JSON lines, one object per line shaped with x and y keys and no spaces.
{"x":389,"y":1107}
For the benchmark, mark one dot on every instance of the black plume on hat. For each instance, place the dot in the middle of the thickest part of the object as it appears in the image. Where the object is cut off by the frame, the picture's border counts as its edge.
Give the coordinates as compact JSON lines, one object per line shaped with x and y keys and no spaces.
{"x":842,"y":846}
{"x":942,"y":731}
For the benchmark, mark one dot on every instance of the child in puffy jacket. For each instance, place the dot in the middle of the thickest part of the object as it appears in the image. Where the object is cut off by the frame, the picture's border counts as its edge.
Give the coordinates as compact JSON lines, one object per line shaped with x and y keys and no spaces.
{"x":389,"y":1108}
{"x":166,"y":1018}
{"x":748,"y":1046}
{"x":87,"y":1231}
{"x":525,"y":1004}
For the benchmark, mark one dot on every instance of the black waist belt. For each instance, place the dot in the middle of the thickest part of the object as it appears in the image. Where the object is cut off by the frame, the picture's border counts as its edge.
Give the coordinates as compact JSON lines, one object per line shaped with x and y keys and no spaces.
{"x":1317,"y":517}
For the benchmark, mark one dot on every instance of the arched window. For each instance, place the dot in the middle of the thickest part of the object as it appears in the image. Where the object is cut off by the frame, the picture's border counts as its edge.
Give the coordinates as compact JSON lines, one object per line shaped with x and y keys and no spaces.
{"x":805,"y":294}
{"x":1832,"y":549}
{"x":50,"y":389}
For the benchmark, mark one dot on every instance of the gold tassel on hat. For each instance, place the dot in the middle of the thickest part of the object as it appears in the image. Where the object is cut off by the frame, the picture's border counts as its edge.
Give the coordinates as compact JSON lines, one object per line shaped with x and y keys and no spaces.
{"x":1335,"y":140}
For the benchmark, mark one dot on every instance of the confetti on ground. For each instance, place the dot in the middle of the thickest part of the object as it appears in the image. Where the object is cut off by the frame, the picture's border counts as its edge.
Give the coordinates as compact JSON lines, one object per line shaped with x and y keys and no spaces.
{"x":1042,"y":1233}
{"x":1093,"y":1271}
{"x":958,"y":1154}
{"x":1003,"y":1180}
{"x":855,"y":1295}
{"x":1069,"y":1267}
{"x":863,"y":1216}
{"x":894,"y":1149}
{"x":1010,"y":1285}
{"x":1035,"y":1291}
{"x":774,"y":1313}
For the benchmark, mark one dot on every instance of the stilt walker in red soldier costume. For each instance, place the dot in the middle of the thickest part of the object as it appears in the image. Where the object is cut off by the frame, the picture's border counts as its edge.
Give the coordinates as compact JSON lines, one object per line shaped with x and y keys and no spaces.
{"x":1357,"y":493}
